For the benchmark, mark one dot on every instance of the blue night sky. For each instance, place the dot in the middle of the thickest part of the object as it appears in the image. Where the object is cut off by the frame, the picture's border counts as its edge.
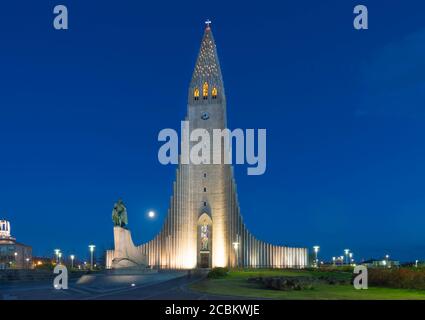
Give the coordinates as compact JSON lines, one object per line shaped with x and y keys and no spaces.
{"x":344,"y":110}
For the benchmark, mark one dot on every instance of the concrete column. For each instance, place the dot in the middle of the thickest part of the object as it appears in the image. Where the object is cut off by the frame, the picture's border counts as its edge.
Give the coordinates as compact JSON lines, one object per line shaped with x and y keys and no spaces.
{"x":245,"y":258}
{"x":174,"y":228}
{"x":278,"y":256}
{"x":251,"y":252}
{"x":270,"y":255}
{"x":296,"y":257}
{"x":254,"y":252}
{"x":260,"y":254}
{"x":292,"y":257}
{"x":282,"y":257}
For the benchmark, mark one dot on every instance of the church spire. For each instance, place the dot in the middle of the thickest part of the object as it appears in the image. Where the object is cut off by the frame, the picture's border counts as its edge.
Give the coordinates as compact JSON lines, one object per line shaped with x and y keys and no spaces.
{"x":206,"y":80}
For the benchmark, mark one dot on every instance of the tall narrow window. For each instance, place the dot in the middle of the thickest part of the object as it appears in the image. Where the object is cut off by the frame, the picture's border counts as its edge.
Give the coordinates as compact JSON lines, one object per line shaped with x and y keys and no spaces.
{"x":196,"y":94}
{"x":214,"y":93}
{"x":205,"y":189}
{"x":205,"y":90}
{"x":204,"y":237}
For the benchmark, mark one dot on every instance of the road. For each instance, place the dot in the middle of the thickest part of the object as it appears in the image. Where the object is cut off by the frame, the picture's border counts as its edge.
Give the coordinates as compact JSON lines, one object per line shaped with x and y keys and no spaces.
{"x":161,"y":286}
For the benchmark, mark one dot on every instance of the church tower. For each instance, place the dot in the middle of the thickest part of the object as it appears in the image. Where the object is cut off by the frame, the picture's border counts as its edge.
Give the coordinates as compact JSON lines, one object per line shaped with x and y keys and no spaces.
{"x":204,"y":227}
{"x":209,"y":183}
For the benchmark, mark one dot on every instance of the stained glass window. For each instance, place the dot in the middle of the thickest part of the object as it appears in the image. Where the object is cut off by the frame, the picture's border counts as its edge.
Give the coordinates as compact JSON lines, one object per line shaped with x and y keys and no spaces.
{"x":205,"y":90}
{"x":196,"y":93}
{"x":204,"y":237}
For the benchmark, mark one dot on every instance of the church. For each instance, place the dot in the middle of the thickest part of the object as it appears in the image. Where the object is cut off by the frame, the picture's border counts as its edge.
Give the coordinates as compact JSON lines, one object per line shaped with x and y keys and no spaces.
{"x":204,"y":227}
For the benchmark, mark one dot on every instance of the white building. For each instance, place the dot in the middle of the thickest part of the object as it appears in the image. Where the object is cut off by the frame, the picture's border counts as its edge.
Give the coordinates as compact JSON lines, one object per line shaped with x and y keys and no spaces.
{"x":13,"y":255}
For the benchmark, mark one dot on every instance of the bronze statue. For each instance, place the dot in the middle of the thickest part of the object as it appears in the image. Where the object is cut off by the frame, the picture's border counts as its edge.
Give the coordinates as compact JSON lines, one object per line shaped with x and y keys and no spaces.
{"x":119,"y":214}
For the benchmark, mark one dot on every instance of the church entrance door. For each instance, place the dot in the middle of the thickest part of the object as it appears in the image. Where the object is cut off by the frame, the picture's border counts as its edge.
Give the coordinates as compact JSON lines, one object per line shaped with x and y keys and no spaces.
{"x":205,"y":260}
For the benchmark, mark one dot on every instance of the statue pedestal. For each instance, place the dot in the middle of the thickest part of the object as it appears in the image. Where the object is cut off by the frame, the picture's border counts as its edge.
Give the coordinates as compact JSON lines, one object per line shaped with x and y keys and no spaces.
{"x":125,"y":255}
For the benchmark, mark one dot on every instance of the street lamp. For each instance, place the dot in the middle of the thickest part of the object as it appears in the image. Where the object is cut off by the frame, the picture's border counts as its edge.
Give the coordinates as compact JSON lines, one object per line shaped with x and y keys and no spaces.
{"x":28,"y":264}
{"x":72,"y":261}
{"x":346,"y":251}
{"x":333,"y":260}
{"x":60,"y":257}
{"x":387,"y":260}
{"x":351,"y":257}
{"x":416,"y":263}
{"x":57,"y":255}
{"x":91,"y":247}
{"x":316,"y":252}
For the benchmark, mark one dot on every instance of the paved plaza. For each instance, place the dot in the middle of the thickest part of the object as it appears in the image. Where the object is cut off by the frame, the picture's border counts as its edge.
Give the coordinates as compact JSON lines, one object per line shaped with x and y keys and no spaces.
{"x":156,"y":286}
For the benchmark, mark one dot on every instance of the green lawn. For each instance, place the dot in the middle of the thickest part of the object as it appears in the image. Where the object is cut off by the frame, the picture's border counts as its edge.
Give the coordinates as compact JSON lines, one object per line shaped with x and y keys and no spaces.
{"x":236,"y":284}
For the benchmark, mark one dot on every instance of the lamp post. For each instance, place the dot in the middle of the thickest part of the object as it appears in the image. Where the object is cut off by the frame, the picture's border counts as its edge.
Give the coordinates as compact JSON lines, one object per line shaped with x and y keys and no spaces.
{"x":28,"y":264}
{"x":72,"y":261}
{"x":316,"y":254}
{"x":346,"y":251}
{"x":387,"y":259}
{"x":16,"y":258}
{"x":416,"y":263}
{"x":57,"y":251}
{"x":333,"y":260}
{"x":351,"y":257}
{"x":60,"y":257}
{"x":236,"y":247}
{"x":91,"y":247}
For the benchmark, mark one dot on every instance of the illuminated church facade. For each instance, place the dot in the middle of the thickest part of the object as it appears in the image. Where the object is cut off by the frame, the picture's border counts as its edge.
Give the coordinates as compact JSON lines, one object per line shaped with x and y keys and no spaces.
{"x":204,"y":227}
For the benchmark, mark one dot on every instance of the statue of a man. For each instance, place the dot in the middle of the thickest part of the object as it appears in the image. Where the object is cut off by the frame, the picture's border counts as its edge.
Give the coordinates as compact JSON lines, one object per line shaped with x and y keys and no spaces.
{"x":119,"y":214}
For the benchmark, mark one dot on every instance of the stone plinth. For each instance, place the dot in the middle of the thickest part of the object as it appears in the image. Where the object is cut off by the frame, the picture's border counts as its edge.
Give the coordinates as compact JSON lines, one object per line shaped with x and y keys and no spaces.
{"x":125,"y":255}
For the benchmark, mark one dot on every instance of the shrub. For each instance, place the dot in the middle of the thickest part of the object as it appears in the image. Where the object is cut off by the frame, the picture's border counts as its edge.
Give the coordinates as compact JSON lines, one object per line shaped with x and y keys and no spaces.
{"x":45,"y":266}
{"x":285,"y":283}
{"x":404,"y":278}
{"x":217,"y":272}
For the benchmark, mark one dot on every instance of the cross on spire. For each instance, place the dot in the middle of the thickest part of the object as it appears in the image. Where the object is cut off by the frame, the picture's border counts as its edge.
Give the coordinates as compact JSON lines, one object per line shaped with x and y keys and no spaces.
{"x":207,"y":67}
